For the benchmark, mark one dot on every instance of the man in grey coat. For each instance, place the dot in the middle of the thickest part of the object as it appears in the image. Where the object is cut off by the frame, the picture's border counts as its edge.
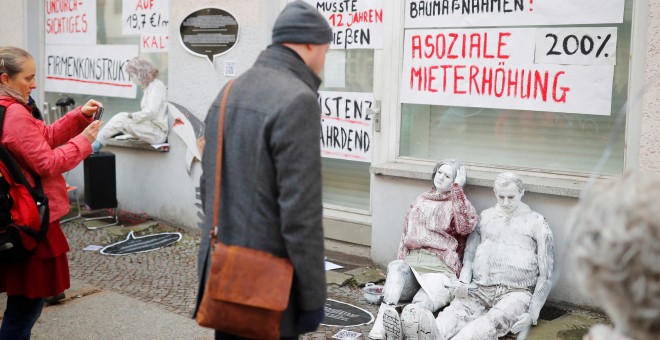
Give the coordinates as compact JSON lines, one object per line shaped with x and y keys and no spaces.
{"x":271,"y":178}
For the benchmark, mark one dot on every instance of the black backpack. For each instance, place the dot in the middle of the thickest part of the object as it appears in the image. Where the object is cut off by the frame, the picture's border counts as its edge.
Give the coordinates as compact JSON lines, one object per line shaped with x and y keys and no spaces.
{"x":24,"y":214}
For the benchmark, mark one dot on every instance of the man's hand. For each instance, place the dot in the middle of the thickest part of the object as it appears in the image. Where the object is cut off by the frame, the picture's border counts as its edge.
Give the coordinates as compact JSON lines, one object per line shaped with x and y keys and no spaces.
{"x":523,"y":323}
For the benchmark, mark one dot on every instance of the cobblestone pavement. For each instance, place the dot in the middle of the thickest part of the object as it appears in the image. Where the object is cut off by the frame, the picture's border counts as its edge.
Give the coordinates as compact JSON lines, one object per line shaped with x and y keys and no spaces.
{"x":167,"y":276}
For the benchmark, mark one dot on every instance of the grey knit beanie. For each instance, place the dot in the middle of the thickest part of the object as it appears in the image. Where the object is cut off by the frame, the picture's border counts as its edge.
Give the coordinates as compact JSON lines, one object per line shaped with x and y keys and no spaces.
{"x":301,"y":23}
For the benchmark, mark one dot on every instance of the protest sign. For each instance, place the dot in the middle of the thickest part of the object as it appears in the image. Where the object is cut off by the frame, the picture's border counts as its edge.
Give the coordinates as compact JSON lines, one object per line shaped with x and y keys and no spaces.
{"x":346,"y":125}
{"x":356,"y":24}
{"x":70,"y":21}
{"x":496,"y":68}
{"x":149,"y":19}
{"x":99,"y":70}
{"x":491,"y":13}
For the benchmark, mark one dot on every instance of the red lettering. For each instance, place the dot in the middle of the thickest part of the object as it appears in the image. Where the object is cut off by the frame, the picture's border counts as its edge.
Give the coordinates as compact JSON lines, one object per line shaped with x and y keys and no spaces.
{"x":429,"y":43}
{"x":437,"y":45}
{"x":487,"y":80}
{"x":475,"y":44}
{"x":474,"y":72}
{"x":144,"y":5}
{"x":499,"y":78}
{"x":454,"y":37}
{"x":501,"y":43}
{"x":542,"y":84}
{"x":457,"y":78}
{"x":512,"y":82}
{"x":444,"y":76}
{"x":564,"y":89}
{"x":416,"y":73}
{"x":432,"y":78}
{"x":486,"y":55}
{"x":416,"y":46}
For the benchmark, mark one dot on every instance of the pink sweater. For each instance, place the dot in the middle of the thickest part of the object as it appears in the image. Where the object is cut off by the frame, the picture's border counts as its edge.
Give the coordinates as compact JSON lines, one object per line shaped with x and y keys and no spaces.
{"x":440,"y":224}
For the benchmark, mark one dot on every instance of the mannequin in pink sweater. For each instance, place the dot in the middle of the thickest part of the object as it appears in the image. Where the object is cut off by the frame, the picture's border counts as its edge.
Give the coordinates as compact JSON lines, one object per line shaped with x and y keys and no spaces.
{"x":434,"y":235}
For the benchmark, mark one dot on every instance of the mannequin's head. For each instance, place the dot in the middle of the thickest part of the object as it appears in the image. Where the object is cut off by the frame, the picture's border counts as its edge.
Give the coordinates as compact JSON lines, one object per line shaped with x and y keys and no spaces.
{"x":509,"y":190}
{"x":444,"y":174}
{"x":616,"y":250}
{"x":141,"y":70}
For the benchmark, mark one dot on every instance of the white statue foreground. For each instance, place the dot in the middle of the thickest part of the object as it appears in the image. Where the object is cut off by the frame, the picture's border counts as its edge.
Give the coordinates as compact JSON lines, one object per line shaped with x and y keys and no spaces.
{"x":508,"y":266}
{"x":616,"y":251}
{"x":432,"y":243}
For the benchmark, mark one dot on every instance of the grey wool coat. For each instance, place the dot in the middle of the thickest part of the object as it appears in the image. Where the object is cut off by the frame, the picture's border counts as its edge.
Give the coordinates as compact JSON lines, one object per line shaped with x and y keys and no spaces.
{"x":271,"y":176}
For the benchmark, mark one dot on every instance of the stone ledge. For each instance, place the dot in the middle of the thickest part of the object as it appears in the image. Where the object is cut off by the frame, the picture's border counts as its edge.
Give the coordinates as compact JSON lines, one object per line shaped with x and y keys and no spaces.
{"x":535,"y":181}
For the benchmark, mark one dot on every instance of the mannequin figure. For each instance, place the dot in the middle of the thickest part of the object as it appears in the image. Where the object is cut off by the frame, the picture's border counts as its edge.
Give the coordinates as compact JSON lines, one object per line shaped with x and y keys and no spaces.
{"x":432,"y":243}
{"x":508,"y":261}
{"x":615,"y":252}
{"x":150,"y":123}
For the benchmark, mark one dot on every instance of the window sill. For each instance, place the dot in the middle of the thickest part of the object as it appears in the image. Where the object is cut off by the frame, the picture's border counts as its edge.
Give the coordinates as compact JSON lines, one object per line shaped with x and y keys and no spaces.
{"x":543,"y":183}
{"x":133,"y":144}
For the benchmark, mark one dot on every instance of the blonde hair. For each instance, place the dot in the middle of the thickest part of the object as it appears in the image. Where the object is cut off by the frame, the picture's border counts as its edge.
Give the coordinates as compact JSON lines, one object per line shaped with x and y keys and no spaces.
{"x":142,"y":69}
{"x":11,"y":64}
{"x":12,"y":59}
{"x":616,"y":251}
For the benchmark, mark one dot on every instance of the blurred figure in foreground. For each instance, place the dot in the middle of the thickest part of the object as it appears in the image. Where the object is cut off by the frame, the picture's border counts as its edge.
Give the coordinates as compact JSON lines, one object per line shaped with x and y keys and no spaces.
{"x":616,"y":251}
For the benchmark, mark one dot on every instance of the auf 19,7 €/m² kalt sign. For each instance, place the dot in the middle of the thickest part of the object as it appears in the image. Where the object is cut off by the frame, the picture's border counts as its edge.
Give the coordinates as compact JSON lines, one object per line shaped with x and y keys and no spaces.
{"x":209,"y":32}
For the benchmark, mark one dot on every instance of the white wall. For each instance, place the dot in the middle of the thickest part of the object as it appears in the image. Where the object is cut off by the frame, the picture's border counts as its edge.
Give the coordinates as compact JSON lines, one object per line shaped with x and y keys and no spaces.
{"x":650,"y":135}
{"x":158,"y":183}
{"x":12,"y":24}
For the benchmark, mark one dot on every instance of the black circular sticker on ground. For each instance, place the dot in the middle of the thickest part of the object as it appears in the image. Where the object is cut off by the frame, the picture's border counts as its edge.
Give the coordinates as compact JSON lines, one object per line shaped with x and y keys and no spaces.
{"x":209,"y":32}
{"x":342,"y":314}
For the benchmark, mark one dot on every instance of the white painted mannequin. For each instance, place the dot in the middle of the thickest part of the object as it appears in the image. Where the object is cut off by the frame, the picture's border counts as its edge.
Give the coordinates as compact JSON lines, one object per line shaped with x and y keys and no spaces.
{"x":150,"y":123}
{"x":435,"y":232}
{"x":615,"y":252}
{"x":509,"y":259}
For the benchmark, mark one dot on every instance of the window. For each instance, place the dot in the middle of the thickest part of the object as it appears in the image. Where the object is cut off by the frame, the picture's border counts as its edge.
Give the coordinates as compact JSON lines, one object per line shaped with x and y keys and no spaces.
{"x":109,"y":32}
{"x":347,"y":183}
{"x":552,"y":142}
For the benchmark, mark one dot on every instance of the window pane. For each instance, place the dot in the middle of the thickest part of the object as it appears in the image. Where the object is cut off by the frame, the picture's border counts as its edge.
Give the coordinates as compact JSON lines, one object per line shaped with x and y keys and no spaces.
{"x":109,"y":33}
{"x":346,"y":183}
{"x":548,"y":141}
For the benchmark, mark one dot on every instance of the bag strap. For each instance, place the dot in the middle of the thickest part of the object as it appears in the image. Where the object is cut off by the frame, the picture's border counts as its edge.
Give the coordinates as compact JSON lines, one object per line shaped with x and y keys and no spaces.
{"x":218,"y":163}
{"x":37,"y":192}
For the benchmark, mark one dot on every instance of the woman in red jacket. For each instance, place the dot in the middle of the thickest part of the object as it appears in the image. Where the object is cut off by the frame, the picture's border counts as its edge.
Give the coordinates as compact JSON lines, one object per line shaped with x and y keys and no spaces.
{"x":47,"y":152}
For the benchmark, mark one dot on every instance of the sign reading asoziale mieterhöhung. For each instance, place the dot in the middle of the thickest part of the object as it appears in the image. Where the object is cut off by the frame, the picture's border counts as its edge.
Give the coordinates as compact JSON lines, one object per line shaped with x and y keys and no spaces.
{"x":553,"y":69}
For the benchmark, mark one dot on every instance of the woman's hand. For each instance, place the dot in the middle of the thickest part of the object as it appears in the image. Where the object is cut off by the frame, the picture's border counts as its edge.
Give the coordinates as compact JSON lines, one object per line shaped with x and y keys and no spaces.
{"x":90,"y":108}
{"x":92,"y":130}
{"x":461,"y":176}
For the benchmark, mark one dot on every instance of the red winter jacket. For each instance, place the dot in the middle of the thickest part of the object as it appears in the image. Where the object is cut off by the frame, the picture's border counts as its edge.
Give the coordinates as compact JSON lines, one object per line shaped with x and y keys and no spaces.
{"x":46,"y":151}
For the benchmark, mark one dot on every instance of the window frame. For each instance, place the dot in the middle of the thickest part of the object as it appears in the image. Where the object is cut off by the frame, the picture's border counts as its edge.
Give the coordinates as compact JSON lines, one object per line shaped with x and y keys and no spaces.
{"x":388,"y":162}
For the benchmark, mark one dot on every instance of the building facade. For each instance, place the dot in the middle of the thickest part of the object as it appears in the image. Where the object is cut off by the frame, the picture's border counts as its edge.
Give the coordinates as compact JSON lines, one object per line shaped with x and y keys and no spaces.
{"x":406,"y":83}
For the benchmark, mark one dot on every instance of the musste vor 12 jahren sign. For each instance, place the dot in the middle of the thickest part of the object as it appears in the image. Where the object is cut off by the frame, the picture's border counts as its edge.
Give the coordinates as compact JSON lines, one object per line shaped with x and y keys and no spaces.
{"x":140,"y":244}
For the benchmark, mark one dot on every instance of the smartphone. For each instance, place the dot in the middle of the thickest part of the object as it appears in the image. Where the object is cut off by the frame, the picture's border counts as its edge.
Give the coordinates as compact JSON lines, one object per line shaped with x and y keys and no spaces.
{"x":99,"y":113}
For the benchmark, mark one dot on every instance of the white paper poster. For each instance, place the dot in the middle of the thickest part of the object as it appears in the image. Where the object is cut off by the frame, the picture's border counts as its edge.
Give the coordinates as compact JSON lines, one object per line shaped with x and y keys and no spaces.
{"x":70,"y":21}
{"x":148,"y":19}
{"x":94,"y":70}
{"x":145,"y":16}
{"x":490,"y":13}
{"x":346,"y":125}
{"x":334,"y":71}
{"x":496,"y":68}
{"x":356,"y":24}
